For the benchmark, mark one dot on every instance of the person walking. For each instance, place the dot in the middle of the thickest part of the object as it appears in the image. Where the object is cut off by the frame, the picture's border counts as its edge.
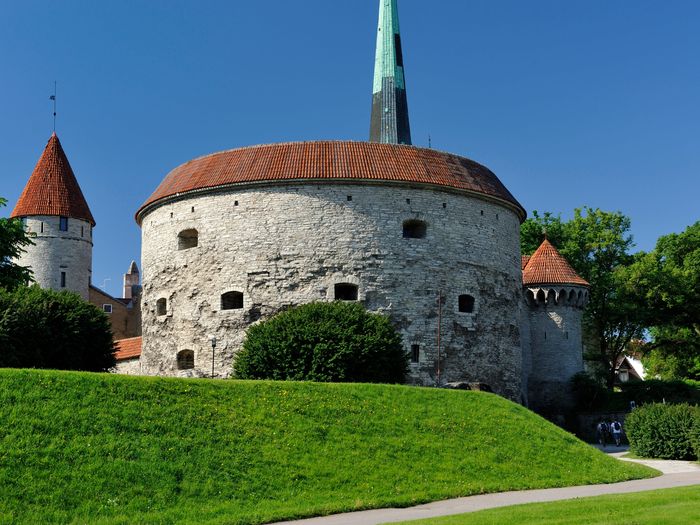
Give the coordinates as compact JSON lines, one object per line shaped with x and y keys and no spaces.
{"x":616,"y":429}
{"x":601,"y":433}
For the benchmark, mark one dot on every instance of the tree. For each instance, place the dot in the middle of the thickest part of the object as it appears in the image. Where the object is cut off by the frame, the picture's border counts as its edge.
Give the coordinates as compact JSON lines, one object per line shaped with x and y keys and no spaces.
{"x":13,"y":240}
{"x":338,"y":341}
{"x":597,"y":244}
{"x":669,"y":282}
{"x":55,"y":330}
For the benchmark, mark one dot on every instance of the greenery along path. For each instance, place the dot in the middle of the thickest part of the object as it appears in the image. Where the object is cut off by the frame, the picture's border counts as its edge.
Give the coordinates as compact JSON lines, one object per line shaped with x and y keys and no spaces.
{"x":664,"y":507}
{"x":99,"y":449}
{"x":511,"y":511}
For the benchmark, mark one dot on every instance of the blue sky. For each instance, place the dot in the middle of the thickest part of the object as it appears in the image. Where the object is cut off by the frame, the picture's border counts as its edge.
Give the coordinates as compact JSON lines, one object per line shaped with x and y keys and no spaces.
{"x":570,"y":103}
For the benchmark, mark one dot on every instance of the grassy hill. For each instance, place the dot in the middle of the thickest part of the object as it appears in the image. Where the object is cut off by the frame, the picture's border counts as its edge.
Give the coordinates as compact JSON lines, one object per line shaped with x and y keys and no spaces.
{"x":88,"y":448}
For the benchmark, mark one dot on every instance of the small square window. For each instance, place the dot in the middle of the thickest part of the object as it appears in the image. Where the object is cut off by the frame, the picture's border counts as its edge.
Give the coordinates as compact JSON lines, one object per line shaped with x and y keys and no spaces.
{"x":349,"y":198}
{"x":63,"y":224}
{"x":346,"y":292}
{"x":107,"y":308}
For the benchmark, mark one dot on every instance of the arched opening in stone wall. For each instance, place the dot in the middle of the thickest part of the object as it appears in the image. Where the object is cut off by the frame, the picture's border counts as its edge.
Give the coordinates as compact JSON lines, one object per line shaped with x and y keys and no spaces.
{"x":466,"y":303}
{"x":232,"y":301}
{"x":187,"y":239}
{"x":185,"y":360}
{"x":415,"y":353}
{"x":161,"y":306}
{"x":414,"y":229}
{"x":346,"y":292}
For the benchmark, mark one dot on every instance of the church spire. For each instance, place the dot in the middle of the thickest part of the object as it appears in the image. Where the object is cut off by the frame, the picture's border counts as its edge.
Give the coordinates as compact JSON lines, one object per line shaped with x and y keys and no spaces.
{"x":389,"y":123}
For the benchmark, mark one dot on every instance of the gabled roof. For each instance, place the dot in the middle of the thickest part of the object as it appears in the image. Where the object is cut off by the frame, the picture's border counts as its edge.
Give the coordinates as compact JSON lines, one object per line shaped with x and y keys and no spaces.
{"x":52,"y":188}
{"x":328,"y":162}
{"x":127,"y":348}
{"x":548,"y":266}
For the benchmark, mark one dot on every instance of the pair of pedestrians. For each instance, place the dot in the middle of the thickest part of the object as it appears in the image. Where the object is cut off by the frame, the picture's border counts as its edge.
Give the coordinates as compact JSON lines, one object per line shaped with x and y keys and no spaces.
{"x":606,"y":430}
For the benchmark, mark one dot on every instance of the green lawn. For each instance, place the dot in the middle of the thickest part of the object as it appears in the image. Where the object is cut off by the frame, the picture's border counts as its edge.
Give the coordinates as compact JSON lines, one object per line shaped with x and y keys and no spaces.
{"x":663,"y":507}
{"x":99,"y":448}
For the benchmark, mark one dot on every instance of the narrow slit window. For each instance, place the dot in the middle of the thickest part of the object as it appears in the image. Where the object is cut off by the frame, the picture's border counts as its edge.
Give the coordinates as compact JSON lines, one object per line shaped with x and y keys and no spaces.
{"x":466,"y":303}
{"x":63,"y":279}
{"x":415,"y":353}
{"x":187,"y":239}
{"x":414,"y":229}
{"x":63,"y":224}
{"x":346,"y":292}
{"x":161,"y":306}
{"x":185,"y":360}
{"x":232,"y":301}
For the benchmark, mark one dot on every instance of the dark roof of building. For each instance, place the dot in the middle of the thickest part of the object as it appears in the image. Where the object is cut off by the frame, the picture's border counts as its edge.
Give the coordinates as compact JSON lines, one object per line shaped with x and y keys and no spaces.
{"x":332,"y":162}
{"x":127,"y":348}
{"x":52,"y":188}
{"x":548,"y":266}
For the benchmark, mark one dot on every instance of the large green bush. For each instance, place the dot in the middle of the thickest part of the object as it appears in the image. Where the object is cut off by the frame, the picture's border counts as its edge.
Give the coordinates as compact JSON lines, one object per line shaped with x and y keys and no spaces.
{"x":54,"y":330}
{"x":338,"y":341}
{"x":662,"y":431}
{"x":695,"y":434}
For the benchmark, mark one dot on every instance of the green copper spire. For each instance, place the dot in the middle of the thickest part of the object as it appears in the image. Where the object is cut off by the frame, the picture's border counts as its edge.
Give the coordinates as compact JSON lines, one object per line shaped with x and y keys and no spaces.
{"x":389,"y":121}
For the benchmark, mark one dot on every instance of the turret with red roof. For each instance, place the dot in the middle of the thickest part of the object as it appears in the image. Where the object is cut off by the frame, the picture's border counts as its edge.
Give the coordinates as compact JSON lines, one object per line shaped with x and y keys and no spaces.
{"x":54,"y":210}
{"x":551,"y":336}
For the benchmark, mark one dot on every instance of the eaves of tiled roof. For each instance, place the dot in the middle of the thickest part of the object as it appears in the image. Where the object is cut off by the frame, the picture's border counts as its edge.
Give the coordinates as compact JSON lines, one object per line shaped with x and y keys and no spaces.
{"x":127,"y":348}
{"x":52,"y":188}
{"x":548,"y":266}
{"x":332,"y":162}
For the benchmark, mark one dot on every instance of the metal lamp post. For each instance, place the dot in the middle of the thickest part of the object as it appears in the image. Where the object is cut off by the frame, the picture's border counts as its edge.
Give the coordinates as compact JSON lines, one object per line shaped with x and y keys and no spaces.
{"x":213,"y":349}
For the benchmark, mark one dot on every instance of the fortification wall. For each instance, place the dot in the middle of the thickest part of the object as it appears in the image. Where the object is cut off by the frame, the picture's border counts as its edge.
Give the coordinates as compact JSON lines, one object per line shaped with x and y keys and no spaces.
{"x":288,"y":245}
{"x":55,"y":251}
{"x":556,"y":348}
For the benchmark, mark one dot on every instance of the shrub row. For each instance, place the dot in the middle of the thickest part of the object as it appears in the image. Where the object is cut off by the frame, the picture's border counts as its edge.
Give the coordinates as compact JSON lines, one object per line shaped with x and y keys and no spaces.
{"x":665,"y":431}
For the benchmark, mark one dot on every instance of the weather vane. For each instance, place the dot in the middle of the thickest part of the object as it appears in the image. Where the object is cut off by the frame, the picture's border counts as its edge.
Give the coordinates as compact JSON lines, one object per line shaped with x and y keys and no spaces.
{"x":53,"y":97}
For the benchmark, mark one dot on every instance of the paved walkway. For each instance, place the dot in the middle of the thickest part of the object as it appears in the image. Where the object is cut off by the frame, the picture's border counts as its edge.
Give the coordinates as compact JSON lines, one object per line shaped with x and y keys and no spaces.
{"x":675,"y":474}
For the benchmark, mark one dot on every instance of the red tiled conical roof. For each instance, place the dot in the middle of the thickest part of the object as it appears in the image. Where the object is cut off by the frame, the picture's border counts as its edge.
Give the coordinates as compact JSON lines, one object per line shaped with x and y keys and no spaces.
{"x":53,"y":189}
{"x":547,"y":266}
{"x":333,"y":161}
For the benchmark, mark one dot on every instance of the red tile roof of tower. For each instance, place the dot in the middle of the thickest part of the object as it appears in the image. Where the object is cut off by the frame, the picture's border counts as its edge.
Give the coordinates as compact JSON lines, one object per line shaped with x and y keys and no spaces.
{"x":339,"y":162}
{"x":548,"y":266}
{"x":52,"y":188}
{"x":127,"y":348}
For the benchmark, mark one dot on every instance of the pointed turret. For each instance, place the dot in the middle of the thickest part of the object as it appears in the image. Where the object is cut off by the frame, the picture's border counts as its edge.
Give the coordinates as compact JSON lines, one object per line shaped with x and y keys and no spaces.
{"x":52,"y":189}
{"x":555,"y":296}
{"x":389,"y":122}
{"x":548,"y":266}
{"x":53,"y":208}
{"x":132,"y":279}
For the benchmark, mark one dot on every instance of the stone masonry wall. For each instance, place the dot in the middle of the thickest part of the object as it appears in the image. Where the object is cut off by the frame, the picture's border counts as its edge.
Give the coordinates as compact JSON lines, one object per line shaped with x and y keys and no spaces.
{"x":288,"y":245}
{"x":56,"y":251}
{"x":555,"y":350}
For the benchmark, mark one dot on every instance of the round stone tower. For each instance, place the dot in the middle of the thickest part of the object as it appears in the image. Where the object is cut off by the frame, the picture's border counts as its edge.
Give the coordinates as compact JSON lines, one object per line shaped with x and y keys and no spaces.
{"x":555,"y":297}
{"x":429,"y":238}
{"x":54,"y":210}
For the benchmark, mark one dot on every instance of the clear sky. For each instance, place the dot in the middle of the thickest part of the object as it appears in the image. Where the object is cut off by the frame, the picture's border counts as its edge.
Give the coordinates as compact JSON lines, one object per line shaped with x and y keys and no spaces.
{"x":570,"y":103}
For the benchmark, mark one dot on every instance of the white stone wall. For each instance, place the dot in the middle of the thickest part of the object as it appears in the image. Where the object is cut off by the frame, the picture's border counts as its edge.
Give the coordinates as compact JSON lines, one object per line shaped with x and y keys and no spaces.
{"x":129,"y":367}
{"x":555,"y":351}
{"x":56,"y":251}
{"x":288,"y":245}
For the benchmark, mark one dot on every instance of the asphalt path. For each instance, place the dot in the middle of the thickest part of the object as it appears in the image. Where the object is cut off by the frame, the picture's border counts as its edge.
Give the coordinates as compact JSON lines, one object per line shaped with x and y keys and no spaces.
{"x":674,"y":474}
